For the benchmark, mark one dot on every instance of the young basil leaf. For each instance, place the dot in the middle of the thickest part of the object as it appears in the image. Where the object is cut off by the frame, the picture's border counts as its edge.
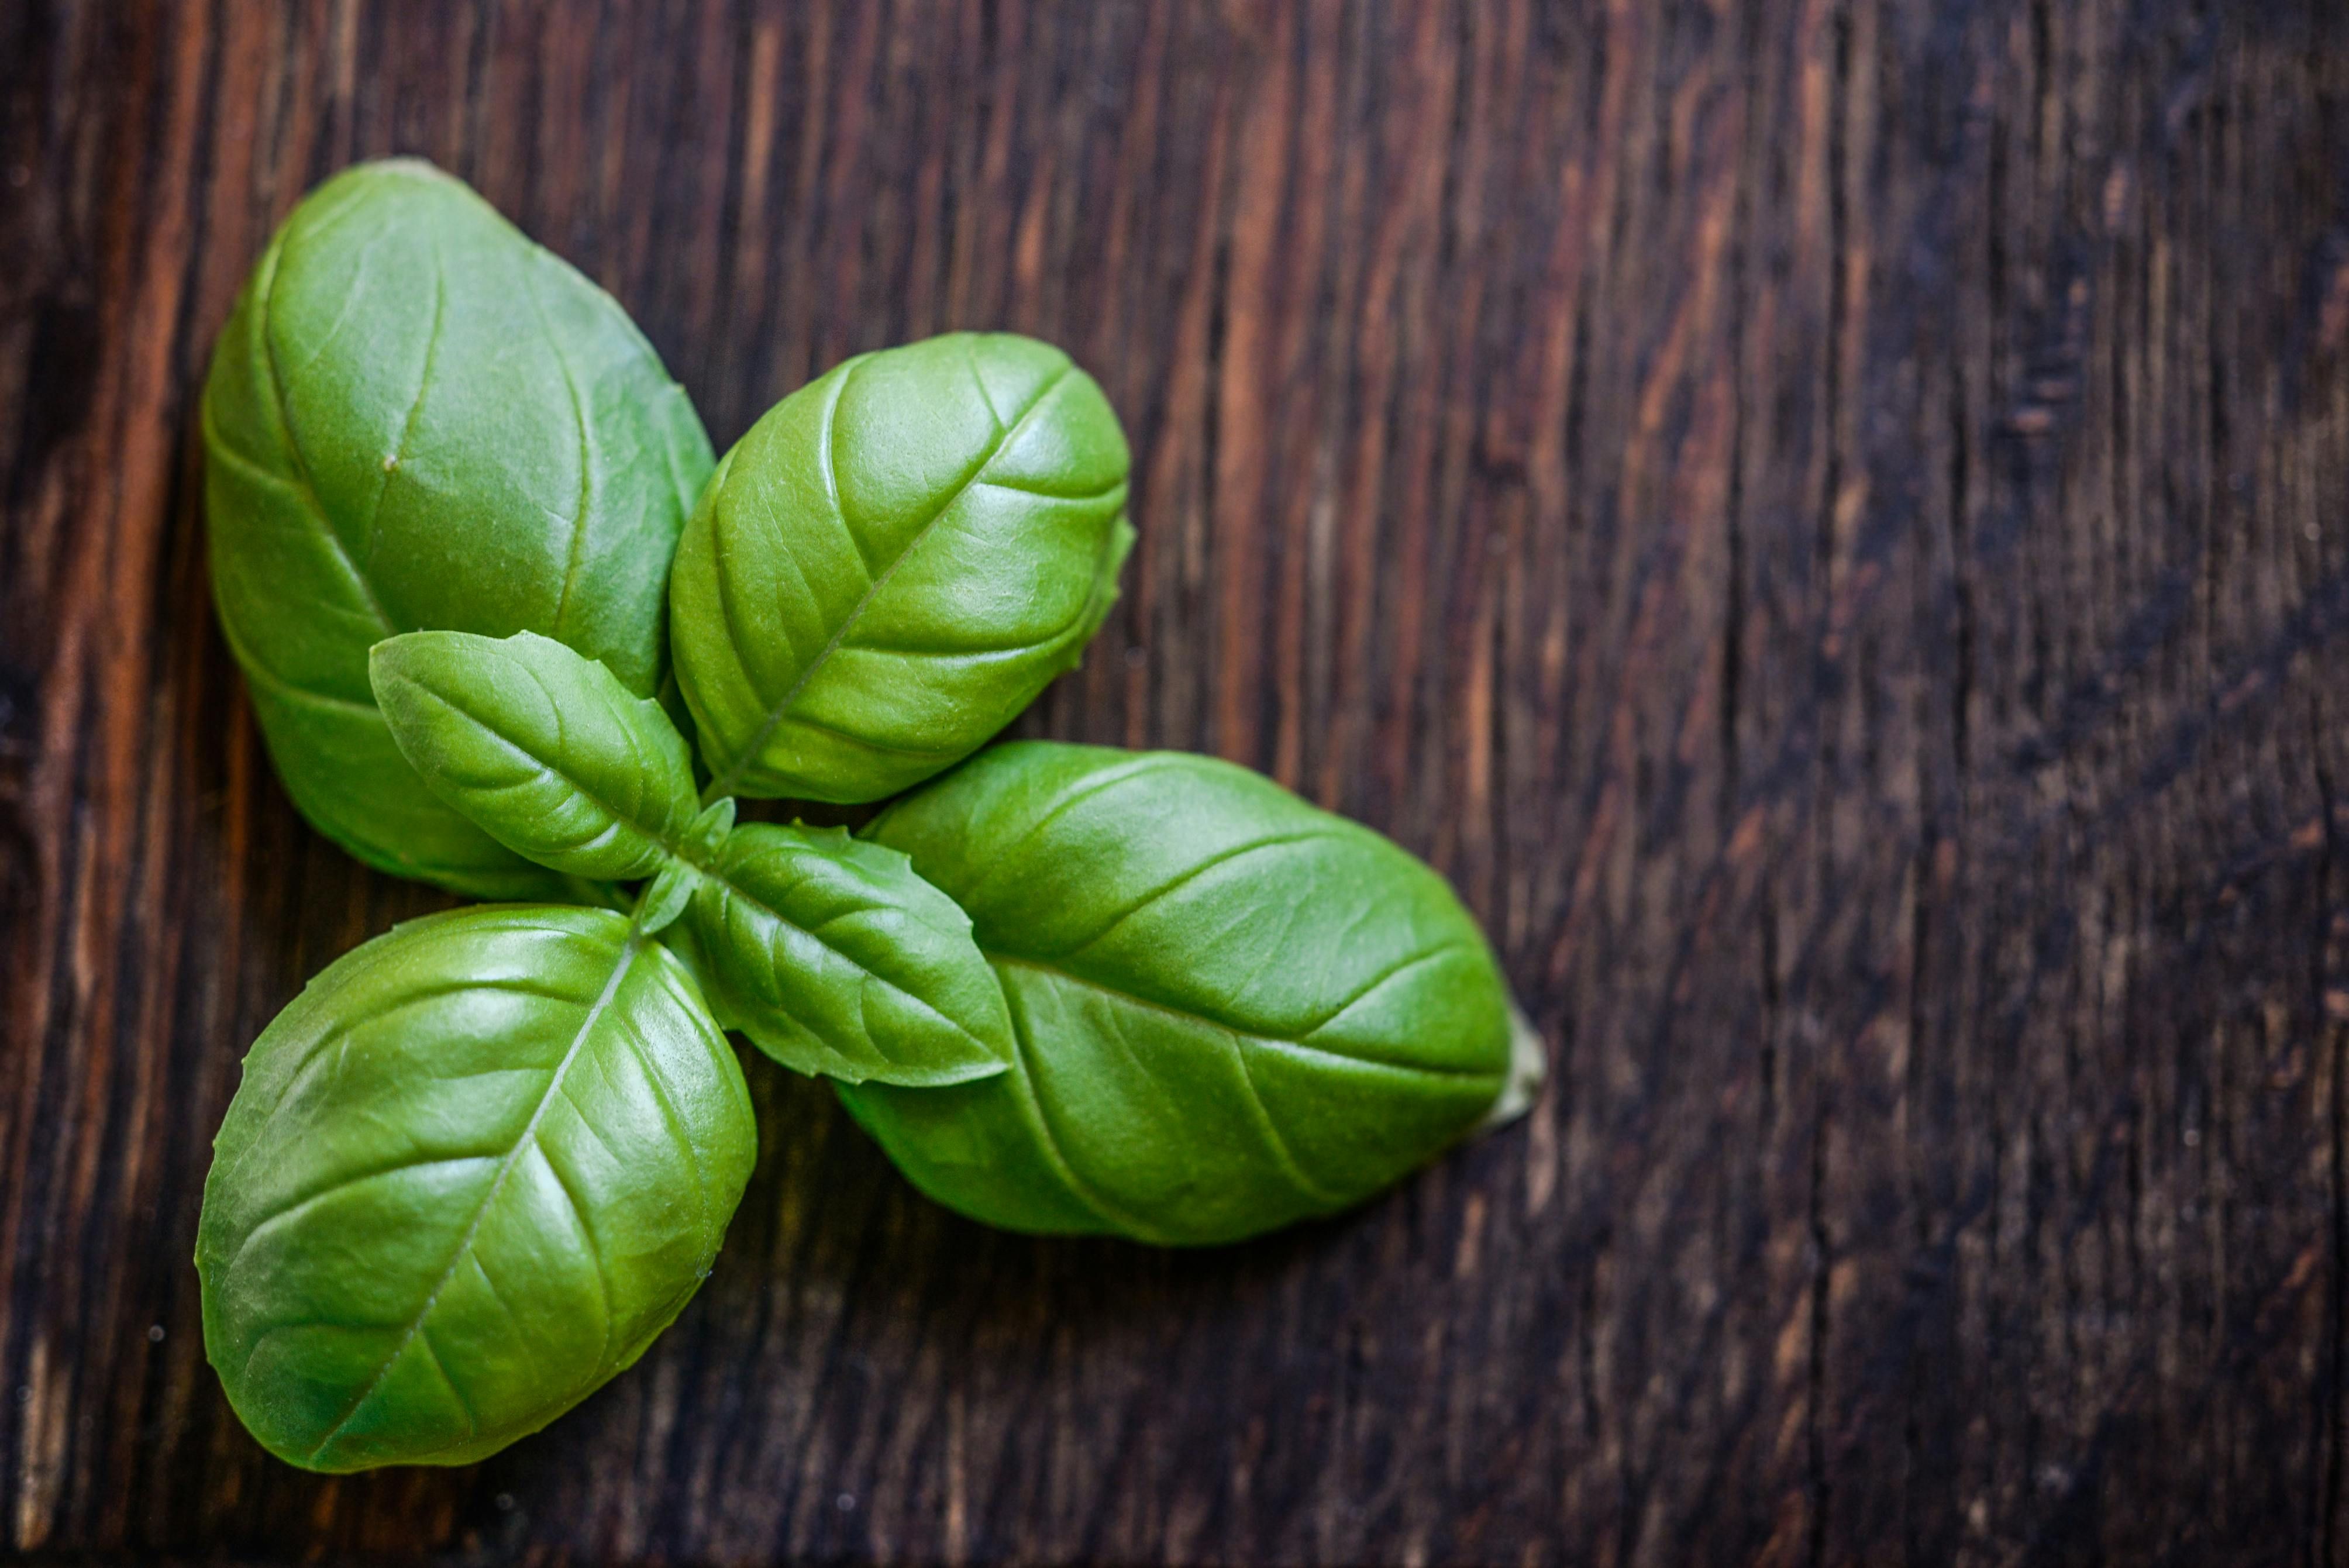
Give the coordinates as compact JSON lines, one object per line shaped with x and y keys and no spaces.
{"x":893,"y":563}
{"x":546,"y":750}
{"x":707,"y":831}
{"x":1232,"y":1010}
{"x":416,"y":417}
{"x":471,"y":1172}
{"x":667,"y":897}
{"x":835,"y":958}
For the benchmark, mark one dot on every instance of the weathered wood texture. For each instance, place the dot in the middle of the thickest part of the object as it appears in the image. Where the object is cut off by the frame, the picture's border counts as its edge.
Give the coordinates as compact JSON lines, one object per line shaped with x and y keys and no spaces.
{"x":1825,"y":517}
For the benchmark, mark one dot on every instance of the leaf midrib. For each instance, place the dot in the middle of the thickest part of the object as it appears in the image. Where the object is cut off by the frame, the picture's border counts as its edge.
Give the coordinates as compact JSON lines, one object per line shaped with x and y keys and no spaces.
{"x":629,"y":947}
{"x":1277,"y":1042}
{"x":576,"y":554}
{"x":553,"y":766}
{"x":284,"y":412}
{"x":725,"y":784}
{"x":1084,"y":1189}
{"x":718,"y":873}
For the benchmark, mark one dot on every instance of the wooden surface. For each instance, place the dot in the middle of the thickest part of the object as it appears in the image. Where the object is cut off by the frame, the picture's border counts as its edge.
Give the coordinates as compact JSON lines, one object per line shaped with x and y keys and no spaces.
{"x":1829,"y":520}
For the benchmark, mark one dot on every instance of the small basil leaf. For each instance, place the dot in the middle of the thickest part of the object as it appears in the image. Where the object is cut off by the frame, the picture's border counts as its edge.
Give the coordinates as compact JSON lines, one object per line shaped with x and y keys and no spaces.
{"x":470,"y":1172}
{"x":893,"y":563}
{"x":707,"y":831}
{"x":835,"y":958}
{"x":666,"y":898}
{"x":416,"y":417}
{"x":1232,"y":1010}
{"x":549,"y":753}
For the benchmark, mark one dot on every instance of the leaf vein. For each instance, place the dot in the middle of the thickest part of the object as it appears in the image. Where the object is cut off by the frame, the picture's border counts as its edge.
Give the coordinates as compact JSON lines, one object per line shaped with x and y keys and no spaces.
{"x":309,"y":486}
{"x":472,"y":1420}
{"x":576,"y":553}
{"x":1409,"y":961}
{"x":1275,"y":1042}
{"x":804,"y":722}
{"x":724,"y":784}
{"x":673,"y":1116}
{"x":724,"y":875}
{"x":1054,"y":1151}
{"x":527,"y":1139}
{"x":423,"y":385}
{"x":339,"y":1185}
{"x":587,"y":1234}
{"x":1078,"y":498}
{"x":1100,"y":783}
{"x":1282,"y":1154}
{"x":1191,"y":874}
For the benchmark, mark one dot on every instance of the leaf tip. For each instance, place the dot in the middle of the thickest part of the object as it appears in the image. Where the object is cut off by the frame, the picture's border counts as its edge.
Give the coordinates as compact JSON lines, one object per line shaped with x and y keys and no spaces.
{"x":1521,"y":1084}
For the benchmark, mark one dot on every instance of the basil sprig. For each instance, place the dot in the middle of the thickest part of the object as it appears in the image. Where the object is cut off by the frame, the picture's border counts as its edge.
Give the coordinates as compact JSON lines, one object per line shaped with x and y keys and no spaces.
{"x":482,"y":1159}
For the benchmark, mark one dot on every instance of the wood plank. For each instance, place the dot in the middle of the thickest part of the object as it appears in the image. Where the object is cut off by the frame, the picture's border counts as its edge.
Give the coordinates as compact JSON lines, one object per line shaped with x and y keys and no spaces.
{"x":1825,"y":517}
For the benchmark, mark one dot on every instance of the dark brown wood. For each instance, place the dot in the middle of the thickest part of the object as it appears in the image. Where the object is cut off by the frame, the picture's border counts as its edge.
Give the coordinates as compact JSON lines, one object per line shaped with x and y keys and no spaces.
{"x":1829,"y":519}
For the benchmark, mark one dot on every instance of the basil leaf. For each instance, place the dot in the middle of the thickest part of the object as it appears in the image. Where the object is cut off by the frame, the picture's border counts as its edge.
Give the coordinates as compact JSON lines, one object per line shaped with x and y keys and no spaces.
{"x":470,"y":1172}
{"x":416,"y":417}
{"x":683,"y":946}
{"x":893,"y":563}
{"x":543,"y":749}
{"x":1231,"y":1010}
{"x":835,"y":958}
{"x":665,"y":897}
{"x":708,"y":830}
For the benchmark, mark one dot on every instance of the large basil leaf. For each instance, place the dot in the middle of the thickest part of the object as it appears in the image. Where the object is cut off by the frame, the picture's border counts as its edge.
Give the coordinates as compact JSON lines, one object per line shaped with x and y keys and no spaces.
{"x":471,"y":1172}
{"x":1231,"y":1009}
{"x":545,"y":749}
{"x":893,"y":563}
{"x":835,"y":958}
{"x":416,"y":417}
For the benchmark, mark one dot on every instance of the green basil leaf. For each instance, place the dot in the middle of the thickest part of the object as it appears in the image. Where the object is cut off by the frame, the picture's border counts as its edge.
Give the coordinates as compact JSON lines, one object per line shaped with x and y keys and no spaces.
{"x":835,"y":958}
{"x":893,"y":563}
{"x":1232,"y":1010}
{"x":470,"y":1172}
{"x":666,"y":898}
{"x":707,"y":831}
{"x":683,"y":946}
{"x":543,"y":749}
{"x":416,"y":417}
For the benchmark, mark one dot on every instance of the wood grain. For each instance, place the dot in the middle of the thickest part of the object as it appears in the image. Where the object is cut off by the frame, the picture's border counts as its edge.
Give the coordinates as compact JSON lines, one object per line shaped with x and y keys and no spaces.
{"x":1823,"y":517}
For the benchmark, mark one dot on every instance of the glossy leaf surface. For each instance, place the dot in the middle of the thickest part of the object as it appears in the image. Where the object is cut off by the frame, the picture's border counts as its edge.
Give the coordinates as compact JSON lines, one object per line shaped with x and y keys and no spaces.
{"x":417,"y":419}
{"x":544,"y":749}
{"x":470,"y":1172}
{"x":895,"y":561}
{"x":835,"y":958}
{"x":1232,"y":1010}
